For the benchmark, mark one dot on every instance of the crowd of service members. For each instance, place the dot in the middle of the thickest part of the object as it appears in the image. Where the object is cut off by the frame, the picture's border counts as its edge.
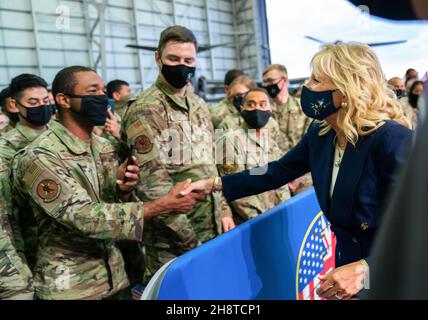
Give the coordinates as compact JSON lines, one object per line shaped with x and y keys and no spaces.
{"x":90,"y":206}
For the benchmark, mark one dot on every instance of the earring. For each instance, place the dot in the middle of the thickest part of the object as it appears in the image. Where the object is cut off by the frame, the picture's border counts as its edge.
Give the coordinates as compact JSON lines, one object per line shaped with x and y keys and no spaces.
{"x":344,"y":104}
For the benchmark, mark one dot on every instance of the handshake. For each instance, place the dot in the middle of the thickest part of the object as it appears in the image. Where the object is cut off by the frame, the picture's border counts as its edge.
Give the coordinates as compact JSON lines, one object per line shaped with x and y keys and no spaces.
{"x":185,"y":195}
{"x":182,"y":198}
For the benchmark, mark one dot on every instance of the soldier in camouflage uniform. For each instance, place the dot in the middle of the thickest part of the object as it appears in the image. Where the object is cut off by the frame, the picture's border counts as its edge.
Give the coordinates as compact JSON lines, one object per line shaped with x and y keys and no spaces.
{"x":237,"y":90}
{"x":16,"y":281}
{"x":111,"y":132}
{"x":287,"y":111}
{"x":225,"y":107}
{"x":69,"y":177}
{"x":221,"y":110}
{"x":174,"y":141}
{"x":4,"y":123}
{"x":29,"y":94}
{"x":245,"y":149}
{"x":409,"y":104}
{"x":121,"y":93}
{"x":11,"y":113}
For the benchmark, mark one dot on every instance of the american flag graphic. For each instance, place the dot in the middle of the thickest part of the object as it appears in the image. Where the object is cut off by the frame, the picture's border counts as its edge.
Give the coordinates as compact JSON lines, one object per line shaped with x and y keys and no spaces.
{"x":317,"y":257}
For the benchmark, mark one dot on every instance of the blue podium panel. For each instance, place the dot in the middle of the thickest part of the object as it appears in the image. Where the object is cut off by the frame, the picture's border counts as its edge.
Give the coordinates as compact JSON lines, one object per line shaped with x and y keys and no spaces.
{"x":277,"y":255}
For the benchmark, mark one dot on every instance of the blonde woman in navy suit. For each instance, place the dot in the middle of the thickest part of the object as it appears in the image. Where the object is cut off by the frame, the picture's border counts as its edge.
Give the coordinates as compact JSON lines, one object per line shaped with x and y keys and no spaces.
{"x":352,"y":150}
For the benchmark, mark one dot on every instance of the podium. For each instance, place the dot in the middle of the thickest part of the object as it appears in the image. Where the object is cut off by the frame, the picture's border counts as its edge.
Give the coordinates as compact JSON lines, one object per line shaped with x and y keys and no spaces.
{"x":277,"y":255}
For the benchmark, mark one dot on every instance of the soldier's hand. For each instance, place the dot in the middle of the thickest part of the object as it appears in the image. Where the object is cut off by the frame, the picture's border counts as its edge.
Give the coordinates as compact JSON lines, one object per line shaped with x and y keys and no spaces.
{"x":182,"y":203}
{"x":201,"y":186}
{"x":131,"y":174}
{"x":97,"y":131}
{"x":112,"y":125}
{"x":227,"y":224}
{"x":174,"y":202}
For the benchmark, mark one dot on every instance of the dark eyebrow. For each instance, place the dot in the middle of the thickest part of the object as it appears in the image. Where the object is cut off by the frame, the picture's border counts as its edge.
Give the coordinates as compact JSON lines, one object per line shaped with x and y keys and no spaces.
{"x":169,"y":56}
{"x":32,"y":98}
{"x":173,"y":56}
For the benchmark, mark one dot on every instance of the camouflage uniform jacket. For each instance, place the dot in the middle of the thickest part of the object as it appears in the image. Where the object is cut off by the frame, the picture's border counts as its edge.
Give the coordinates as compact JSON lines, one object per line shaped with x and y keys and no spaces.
{"x":21,"y":218}
{"x":410,"y":113}
{"x":220,"y":111}
{"x":174,"y":141}
{"x":243,"y":150}
{"x":71,"y":185}
{"x":16,"y":277}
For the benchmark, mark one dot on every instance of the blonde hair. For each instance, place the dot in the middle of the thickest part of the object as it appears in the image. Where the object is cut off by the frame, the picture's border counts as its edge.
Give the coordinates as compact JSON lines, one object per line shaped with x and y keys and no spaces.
{"x":244,"y":80}
{"x":355,"y":71}
{"x":276,"y":66}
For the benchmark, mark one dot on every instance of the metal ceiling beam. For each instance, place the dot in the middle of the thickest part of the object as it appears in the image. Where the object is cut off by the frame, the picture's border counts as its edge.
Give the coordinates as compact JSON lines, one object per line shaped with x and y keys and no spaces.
{"x":100,"y":22}
{"x":210,"y":43}
{"x":36,"y":37}
{"x":138,"y":37}
{"x":257,"y":38}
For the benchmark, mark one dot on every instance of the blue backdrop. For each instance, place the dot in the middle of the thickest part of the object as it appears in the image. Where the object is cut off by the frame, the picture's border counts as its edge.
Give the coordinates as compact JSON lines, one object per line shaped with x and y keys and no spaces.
{"x":257,"y":260}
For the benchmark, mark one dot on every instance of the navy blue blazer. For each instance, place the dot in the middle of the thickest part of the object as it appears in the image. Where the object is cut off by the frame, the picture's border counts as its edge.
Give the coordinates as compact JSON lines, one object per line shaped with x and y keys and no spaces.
{"x":365,"y":177}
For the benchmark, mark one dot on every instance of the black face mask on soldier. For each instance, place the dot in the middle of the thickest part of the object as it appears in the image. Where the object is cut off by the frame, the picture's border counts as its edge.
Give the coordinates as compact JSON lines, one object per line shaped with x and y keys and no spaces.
{"x":273,"y":90}
{"x":238,"y":101}
{"x":256,"y":119}
{"x":13,"y":116}
{"x":178,"y":76}
{"x":399,"y":93}
{"x":94,"y":108}
{"x":413,"y":100}
{"x":38,"y":116}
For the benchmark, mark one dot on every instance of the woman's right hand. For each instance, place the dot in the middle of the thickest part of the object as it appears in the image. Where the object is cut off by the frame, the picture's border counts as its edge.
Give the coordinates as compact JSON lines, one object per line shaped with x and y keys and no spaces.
{"x":202,"y":186}
{"x":182,"y":203}
{"x":174,"y":202}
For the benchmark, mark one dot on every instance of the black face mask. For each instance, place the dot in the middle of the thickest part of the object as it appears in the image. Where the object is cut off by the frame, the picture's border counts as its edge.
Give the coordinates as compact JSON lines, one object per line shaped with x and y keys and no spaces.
{"x":413,"y":100}
{"x":273,"y":90}
{"x":53,"y":109}
{"x":39,"y":116}
{"x":317,"y":104}
{"x":238,"y":101}
{"x":94,"y":108}
{"x":256,"y":119}
{"x":13,"y":116}
{"x":399,"y":93}
{"x":178,"y":76}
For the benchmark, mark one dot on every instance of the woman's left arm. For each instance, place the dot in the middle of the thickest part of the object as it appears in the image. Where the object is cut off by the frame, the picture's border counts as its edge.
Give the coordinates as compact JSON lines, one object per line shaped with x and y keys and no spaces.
{"x":391,"y":148}
{"x":291,"y":166}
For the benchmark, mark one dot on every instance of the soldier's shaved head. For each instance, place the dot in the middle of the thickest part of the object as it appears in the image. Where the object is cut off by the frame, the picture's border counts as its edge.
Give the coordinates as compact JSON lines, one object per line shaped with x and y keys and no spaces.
{"x":65,"y":81}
